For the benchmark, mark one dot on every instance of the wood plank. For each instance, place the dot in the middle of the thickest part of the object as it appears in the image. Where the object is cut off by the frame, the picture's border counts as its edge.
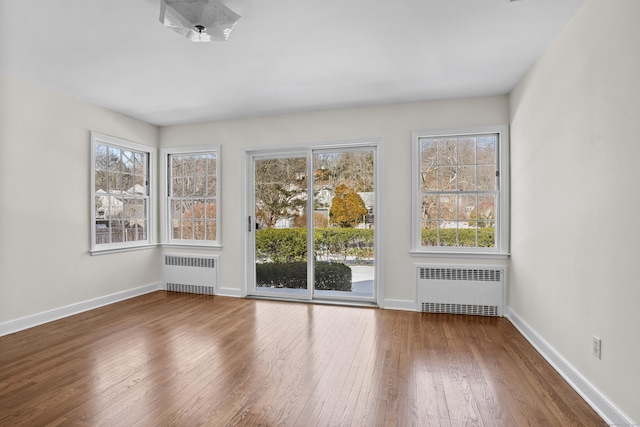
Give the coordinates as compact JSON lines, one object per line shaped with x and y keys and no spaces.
{"x":179,"y":359}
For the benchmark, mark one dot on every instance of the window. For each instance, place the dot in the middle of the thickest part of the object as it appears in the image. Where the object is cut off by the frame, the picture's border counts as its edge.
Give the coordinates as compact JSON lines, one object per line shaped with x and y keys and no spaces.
{"x":192,"y":211}
{"x":461,"y":191}
{"x":121,"y":194}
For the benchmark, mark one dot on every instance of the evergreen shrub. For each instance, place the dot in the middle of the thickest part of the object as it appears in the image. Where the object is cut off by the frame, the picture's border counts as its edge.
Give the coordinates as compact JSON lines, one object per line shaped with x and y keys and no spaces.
{"x":293,"y":275}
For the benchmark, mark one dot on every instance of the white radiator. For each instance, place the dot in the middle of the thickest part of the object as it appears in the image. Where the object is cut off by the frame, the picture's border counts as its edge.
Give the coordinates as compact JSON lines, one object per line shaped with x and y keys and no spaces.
{"x":193,"y":274}
{"x":461,"y":290}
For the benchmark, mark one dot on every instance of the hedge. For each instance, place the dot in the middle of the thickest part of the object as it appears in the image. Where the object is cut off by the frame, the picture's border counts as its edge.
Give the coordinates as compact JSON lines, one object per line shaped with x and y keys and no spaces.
{"x":289,"y":244}
{"x":282,"y":244}
{"x":466,"y":237}
{"x":328,"y":275}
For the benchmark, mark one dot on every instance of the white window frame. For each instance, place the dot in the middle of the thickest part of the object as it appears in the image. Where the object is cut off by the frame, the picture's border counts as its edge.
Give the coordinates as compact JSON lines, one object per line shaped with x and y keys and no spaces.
{"x":165,"y":206}
{"x":150,"y":152}
{"x":502,"y":206}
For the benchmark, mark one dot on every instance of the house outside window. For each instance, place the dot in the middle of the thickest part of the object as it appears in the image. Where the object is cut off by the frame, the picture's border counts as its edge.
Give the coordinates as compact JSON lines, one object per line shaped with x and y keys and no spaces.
{"x":121,"y":194}
{"x":461,"y":191}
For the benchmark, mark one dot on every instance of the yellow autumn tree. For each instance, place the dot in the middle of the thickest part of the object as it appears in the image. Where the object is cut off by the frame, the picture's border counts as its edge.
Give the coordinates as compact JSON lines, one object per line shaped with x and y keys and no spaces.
{"x":347,"y":208}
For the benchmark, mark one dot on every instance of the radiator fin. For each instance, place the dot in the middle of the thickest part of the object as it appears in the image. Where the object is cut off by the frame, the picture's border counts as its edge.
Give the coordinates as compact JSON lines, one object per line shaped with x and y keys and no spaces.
{"x":190,"y":289}
{"x":183,"y":261}
{"x":471,"y":309}
{"x":476,"y":275}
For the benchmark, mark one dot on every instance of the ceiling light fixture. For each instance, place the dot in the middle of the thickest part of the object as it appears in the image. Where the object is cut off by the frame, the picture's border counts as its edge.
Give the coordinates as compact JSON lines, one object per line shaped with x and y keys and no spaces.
{"x":198,"y":20}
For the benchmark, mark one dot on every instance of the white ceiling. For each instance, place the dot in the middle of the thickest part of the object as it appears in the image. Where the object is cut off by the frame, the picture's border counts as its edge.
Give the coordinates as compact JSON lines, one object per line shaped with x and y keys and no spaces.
{"x":282,"y":56}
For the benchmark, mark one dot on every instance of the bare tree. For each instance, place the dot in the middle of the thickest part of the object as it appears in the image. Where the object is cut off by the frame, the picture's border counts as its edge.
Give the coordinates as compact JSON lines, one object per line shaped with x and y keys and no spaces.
{"x":280,"y":190}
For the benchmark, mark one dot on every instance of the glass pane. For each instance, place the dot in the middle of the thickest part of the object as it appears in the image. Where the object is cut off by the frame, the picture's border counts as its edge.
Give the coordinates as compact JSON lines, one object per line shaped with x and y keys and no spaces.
{"x":141,"y":185}
{"x":117,"y":231}
{"x":176,"y":212}
{"x":447,"y":178}
{"x":101,"y":206}
{"x":429,"y":211}
{"x":102,"y":162}
{"x":428,"y":152}
{"x":429,"y":233}
{"x":130,"y":233}
{"x":177,"y":187}
{"x":128,"y":185}
{"x":115,"y":182}
{"x":211,"y":229}
{"x":200,"y":187}
{"x":486,"y":209}
{"x":198,"y":229}
{"x":486,"y":146}
{"x":428,"y":164}
{"x":176,"y":165}
{"x":212,"y":164}
{"x":102,"y":233}
{"x":189,"y":165}
{"x":116,"y":205}
{"x":186,"y":225}
{"x":115,"y":163}
{"x":101,"y":180}
{"x":448,"y":209}
{"x":467,"y":178}
{"x":429,"y":178}
{"x":466,"y":209}
{"x":447,"y":233}
{"x":447,"y":152}
{"x":189,"y":187}
{"x":487,"y":235}
{"x":211,"y":208}
{"x":467,"y":151}
{"x":211,"y":185}
{"x":467,"y":237}
{"x":469,"y":207}
{"x":140,"y":164}
{"x":201,"y":164}
{"x":486,"y":178}
{"x":142,"y":231}
{"x":136,"y":210}
{"x":127,"y":161}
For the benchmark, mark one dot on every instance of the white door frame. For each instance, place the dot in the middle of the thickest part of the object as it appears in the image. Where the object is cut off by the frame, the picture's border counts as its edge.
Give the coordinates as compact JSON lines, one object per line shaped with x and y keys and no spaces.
{"x":249,"y":157}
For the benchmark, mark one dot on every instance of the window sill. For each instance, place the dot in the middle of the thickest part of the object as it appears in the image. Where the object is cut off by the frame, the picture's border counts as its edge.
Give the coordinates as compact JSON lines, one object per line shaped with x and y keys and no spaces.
{"x":191,"y":246}
{"x":462,"y":255}
{"x":106,"y":251}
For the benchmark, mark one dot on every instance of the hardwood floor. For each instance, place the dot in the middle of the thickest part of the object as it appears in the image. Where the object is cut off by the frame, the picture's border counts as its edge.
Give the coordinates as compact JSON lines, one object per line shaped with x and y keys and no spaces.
{"x":185,"y":360}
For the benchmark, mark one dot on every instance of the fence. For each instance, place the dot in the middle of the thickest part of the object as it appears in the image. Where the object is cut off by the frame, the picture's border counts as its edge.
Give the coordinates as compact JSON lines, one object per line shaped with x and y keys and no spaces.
{"x":119,"y":235}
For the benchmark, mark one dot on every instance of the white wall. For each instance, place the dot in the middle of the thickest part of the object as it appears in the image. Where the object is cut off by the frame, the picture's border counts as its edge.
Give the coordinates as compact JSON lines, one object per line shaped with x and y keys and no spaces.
{"x":44,"y":203}
{"x":393,"y":124}
{"x":575,"y":147}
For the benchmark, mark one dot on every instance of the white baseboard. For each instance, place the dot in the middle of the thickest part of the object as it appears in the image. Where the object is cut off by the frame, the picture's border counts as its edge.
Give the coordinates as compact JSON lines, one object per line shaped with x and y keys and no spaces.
{"x":399,"y":304}
{"x":27,"y":322}
{"x":229,"y":292}
{"x":603,"y":406}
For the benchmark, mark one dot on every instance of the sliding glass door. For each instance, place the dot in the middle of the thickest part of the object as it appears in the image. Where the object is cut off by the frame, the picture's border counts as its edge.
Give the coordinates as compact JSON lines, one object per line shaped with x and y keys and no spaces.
{"x":330,"y":191}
